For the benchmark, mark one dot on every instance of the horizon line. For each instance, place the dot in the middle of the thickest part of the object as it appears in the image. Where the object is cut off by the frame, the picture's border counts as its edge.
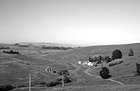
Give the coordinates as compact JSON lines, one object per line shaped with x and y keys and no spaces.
{"x":73,"y":44}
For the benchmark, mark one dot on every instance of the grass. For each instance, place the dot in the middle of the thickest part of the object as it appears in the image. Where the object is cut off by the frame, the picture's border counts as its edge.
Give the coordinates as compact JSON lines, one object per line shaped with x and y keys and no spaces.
{"x":14,"y":69}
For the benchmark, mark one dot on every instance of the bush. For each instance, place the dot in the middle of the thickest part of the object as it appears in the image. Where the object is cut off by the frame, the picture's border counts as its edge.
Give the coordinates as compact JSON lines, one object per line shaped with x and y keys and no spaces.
{"x":6,"y":87}
{"x":107,"y":59}
{"x":23,"y":85}
{"x":138,"y":68}
{"x":53,"y":83}
{"x":116,"y":63}
{"x":92,"y":59}
{"x":104,"y":73}
{"x":34,"y":83}
{"x":58,"y":81}
{"x":116,"y":54}
{"x":66,"y":80}
{"x":131,"y":53}
{"x":64,"y":72}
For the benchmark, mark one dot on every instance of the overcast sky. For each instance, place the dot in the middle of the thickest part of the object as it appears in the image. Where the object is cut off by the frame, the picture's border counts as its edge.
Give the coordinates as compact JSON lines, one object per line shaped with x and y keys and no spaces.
{"x":78,"y":22}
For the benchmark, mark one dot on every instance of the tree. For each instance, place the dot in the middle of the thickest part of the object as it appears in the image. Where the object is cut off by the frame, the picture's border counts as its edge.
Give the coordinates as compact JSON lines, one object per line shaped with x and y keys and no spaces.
{"x":6,"y":87}
{"x":104,"y":73}
{"x":107,"y":59}
{"x":92,"y":59}
{"x":138,"y":68}
{"x":116,"y":54}
{"x":131,"y":53}
{"x":64,"y":74}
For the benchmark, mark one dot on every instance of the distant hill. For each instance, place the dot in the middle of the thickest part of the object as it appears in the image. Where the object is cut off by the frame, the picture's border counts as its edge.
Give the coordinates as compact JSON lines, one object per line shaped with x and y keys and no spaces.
{"x":46,"y":44}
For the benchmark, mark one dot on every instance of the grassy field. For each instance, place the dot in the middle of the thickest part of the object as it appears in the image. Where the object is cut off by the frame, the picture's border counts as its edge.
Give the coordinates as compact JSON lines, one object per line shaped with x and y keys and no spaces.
{"x":15,"y":68}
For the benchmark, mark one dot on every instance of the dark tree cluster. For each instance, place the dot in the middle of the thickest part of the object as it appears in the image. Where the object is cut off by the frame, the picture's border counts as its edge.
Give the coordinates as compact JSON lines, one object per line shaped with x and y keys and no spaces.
{"x":64,"y":72}
{"x":99,"y":59}
{"x":116,"y":54}
{"x":11,"y":52}
{"x":104,"y":73}
{"x":6,"y":87}
{"x":95,"y":58}
{"x":56,"y":47}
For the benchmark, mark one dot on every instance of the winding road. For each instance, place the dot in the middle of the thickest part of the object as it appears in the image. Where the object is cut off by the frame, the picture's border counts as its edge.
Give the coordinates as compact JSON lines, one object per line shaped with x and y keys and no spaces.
{"x":87,"y":72}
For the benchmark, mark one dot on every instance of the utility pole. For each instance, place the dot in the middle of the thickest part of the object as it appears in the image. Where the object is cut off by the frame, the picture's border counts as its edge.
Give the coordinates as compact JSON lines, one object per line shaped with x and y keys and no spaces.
{"x":29,"y":81}
{"x":63,"y":81}
{"x":78,"y":80}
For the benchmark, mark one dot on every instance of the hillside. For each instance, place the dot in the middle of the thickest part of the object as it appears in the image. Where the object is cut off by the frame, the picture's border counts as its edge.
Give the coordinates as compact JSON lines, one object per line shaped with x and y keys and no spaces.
{"x":15,"y":68}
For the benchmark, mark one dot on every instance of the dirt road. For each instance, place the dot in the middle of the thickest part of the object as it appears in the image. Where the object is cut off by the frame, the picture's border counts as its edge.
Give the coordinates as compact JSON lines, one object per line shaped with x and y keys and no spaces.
{"x":87,"y":72}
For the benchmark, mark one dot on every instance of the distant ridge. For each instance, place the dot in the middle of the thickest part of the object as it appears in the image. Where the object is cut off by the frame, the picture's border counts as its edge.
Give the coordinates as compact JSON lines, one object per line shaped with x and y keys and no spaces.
{"x":61,"y":45}
{"x":46,"y":44}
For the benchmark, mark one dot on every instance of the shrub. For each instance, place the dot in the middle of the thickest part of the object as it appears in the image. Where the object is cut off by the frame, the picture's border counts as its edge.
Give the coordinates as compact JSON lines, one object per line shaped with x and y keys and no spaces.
{"x":53,"y":83}
{"x":131,"y":53}
{"x":59,"y":81}
{"x":64,"y":72}
{"x":104,"y":73}
{"x":23,"y":85}
{"x":6,"y":87}
{"x":116,"y":54}
{"x":34,"y":83}
{"x":99,"y":62}
{"x":43,"y":83}
{"x":138,"y":68}
{"x":107,"y":59}
{"x":66,"y":80}
{"x":91,"y":59}
{"x":116,"y":63}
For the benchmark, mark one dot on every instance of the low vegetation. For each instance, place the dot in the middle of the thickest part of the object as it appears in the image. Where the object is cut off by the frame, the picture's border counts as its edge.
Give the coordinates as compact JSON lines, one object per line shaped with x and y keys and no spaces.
{"x":11,"y":52}
{"x":57,"y":81}
{"x":56,"y":48}
{"x":4,"y":48}
{"x":115,"y":63}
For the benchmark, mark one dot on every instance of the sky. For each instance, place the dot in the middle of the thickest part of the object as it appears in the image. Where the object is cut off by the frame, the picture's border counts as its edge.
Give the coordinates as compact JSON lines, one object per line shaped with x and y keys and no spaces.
{"x":77,"y":22}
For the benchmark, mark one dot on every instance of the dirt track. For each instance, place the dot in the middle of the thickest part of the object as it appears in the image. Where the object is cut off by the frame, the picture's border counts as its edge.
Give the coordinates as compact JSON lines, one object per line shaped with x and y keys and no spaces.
{"x":87,"y":72}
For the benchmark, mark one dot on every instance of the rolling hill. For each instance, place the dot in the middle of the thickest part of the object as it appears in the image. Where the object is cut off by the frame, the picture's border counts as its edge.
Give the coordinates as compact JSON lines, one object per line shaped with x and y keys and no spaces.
{"x":15,"y":68}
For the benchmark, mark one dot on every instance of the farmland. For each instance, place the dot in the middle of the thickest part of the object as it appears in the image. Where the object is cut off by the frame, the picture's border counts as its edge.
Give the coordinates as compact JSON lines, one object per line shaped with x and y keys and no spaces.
{"x":15,"y":68}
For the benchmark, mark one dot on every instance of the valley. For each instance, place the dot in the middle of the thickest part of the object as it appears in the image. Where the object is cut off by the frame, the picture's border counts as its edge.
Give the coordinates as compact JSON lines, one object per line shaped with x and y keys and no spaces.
{"x":15,"y":68}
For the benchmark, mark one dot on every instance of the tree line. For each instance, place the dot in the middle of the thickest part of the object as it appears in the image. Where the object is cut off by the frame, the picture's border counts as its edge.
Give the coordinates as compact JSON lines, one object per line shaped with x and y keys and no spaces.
{"x":56,"y":47}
